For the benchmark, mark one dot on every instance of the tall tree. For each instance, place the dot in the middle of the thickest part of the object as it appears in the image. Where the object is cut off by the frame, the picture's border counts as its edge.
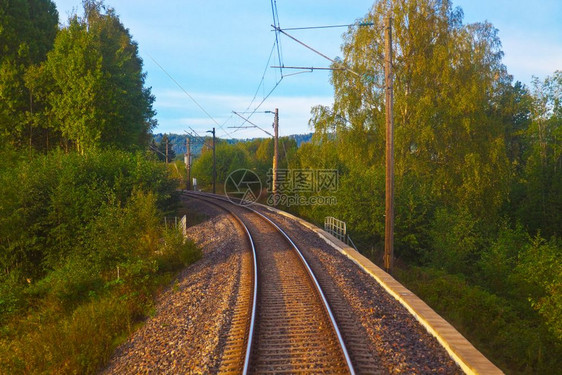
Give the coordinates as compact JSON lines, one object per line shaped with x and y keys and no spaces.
{"x":448,"y":79}
{"x":98,"y":97}
{"x":541,"y":180}
{"x":27,"y":31}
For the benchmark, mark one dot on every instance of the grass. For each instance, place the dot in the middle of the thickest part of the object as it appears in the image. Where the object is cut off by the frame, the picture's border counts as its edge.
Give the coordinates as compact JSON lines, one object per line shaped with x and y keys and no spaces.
{"x":53,"y":338}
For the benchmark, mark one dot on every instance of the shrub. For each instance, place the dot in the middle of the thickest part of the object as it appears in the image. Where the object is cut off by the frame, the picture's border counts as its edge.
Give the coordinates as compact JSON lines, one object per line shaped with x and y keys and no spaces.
{"x":82,"y":250}
{"x":176,"y":251}
{"x":518,"y":342}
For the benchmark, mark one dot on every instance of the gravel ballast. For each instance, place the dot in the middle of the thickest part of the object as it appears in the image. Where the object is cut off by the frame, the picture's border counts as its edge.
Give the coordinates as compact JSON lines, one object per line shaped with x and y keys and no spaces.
{"x":188,"y":331}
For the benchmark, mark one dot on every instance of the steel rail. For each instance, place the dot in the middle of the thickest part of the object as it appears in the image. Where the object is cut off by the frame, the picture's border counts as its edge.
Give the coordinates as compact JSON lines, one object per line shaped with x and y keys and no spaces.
{"x":325,"y":303}
{"x":255,"y":291}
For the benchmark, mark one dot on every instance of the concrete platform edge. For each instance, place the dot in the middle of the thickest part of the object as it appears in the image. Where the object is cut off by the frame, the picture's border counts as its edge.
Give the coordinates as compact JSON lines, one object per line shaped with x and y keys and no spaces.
{"x":459,"y":348}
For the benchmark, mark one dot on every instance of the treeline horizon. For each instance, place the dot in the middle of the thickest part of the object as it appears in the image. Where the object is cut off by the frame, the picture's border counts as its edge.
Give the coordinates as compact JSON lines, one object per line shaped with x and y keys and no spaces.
{"x":177,"y":142}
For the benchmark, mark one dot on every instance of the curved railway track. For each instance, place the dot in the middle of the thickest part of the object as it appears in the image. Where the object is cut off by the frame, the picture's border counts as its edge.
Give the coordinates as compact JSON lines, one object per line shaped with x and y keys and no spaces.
{"x":289,"y":325}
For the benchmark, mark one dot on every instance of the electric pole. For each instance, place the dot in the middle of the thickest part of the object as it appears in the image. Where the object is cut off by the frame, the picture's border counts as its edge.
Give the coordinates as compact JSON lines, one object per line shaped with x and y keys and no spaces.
{"x":275,"y":136}
{"x":275,"y":150}
{"x":188,"y":162}
{"x":389,"y":198}
{"x":214,"y":163}
{"x":166,"y":150}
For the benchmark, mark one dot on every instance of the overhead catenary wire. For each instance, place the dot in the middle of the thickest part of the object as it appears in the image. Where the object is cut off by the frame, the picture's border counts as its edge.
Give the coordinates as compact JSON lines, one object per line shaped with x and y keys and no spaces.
{"x":184,"y":90}
{"x":262,"y":77}
{"x":328,"y":26}
{"x":219,"y":126}
{"x":200,"y":138}
{"x":314,"y":50}
{"x":277,"y":25}
{"x":261,"y":85}
{"x":260,"y":104}
{"x":276,"y":46}
{"x":253,"y":125}
{"x":335,"y":62}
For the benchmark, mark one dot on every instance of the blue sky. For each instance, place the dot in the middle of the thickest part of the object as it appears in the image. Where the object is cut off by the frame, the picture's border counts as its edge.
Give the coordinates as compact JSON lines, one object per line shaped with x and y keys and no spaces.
{"x":218,"y":52}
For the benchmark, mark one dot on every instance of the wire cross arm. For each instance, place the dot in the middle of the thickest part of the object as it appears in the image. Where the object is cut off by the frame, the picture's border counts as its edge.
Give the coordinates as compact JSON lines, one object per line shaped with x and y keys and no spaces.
{"x":194,"y":134}
{"x":337,"y":64}
{"x":360,"y":24}
{"x":311,"y":68}
{"x":254,"y":125}
{"x":309,"y":47}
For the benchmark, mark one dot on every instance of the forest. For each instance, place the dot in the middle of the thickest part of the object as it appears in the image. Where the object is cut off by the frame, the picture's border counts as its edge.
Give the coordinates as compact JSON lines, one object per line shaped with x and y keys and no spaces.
{"x":83,"y":245}
{"x":478,"y":186}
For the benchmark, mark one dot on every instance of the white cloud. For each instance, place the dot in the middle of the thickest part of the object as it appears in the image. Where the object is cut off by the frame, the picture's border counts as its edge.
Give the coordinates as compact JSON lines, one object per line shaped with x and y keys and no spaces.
{"x":294,"y":113}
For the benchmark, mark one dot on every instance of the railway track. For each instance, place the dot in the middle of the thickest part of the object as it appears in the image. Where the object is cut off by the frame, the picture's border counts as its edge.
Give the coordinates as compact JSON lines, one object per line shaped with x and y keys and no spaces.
{"x":288,"y":324}
{"x":251,"y":306}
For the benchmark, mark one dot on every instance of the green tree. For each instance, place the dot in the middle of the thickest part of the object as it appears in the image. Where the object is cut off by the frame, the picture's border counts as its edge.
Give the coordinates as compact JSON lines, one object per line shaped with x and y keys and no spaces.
{"x":27,"y":31}
{"x":229,"y":158}
{"x":540,"y":207}
{"x":98,"y":96}
{"x":448,"y":80}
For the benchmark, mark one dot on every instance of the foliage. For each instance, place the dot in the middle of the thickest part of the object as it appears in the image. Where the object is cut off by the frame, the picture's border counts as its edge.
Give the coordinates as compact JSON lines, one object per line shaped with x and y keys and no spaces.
{"x":256,"y":155}
{"x":81,"y":86}
{"x":27,"y":31}
{"x":537,"y":198}
{"x":97,"y":94}
{"x":228,"y":159}
{"x":47,"y":201}
{"x":82,"y":246}
{"x":540,"y":268}
{"x":455,"y":242}
{"x":83,"y":250}
{"x":517,"y":341}
{"x":477,"y":175}
{"x":448,"y":78}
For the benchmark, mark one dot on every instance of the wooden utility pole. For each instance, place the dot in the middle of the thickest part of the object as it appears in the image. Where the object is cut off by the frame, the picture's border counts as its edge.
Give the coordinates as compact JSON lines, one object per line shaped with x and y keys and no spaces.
{"x":214,"y":163}
{"x":389,"y":199}
{"x":188,"y":162}
{"x":166,"y":150}
{"x":275,"y":150}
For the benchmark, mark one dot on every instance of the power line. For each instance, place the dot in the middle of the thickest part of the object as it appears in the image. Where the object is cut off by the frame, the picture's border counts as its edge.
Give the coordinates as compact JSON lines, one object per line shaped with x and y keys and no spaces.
{"x":196,"y":135}
{"x":276,"y":46}
{"x":328,"y":26}
{"x":186,"y":93}
{"x":262,"y":77}
{"x":247,"y":120}
{"x":311,"y":68}
{"x":277,"y":25}
{"x":336,"y":63}
{"x":264,"y":99}
{"x":314,"y":50}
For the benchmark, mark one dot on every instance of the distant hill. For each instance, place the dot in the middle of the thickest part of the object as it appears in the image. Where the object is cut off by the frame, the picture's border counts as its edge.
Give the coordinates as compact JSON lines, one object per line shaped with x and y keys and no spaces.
{"x":301,"y":138}
{"x":177,"y":141}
